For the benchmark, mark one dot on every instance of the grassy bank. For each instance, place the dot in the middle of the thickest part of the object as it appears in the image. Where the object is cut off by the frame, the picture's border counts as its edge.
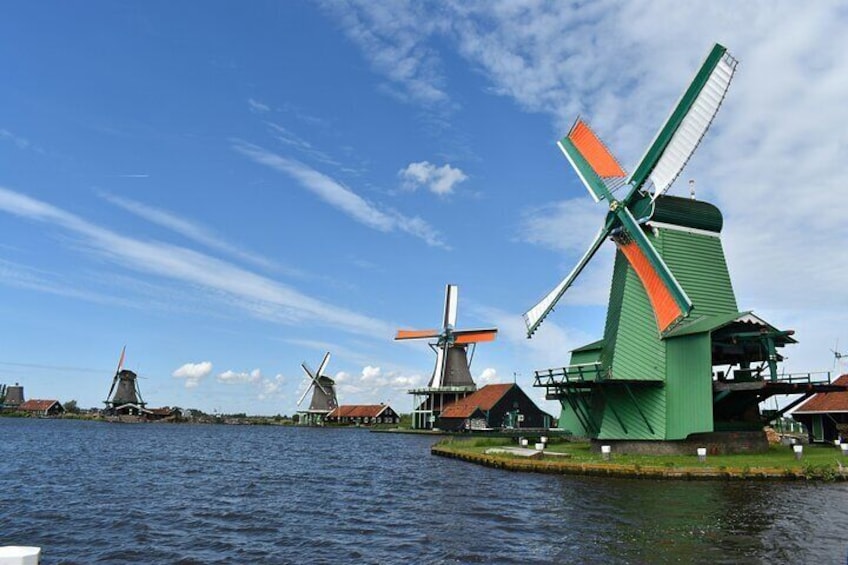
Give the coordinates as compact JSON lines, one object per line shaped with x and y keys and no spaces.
{"x":818,"y":463}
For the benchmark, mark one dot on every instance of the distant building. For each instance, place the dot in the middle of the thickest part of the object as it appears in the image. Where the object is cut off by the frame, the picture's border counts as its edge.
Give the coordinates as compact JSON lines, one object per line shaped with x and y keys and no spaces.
{"x":363,"y":414}
{"x":493,"y":406}
{"x":42,"y":407}
{"x":825,"y":414}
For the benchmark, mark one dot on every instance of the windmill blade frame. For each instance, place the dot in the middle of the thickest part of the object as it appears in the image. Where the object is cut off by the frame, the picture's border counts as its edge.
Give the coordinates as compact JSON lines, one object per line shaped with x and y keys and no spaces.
{"x":416,"y":334}
{"x":323,"y":364}
{"x":668,"y":299}
{"x":451,"y":299}
{"x":684,"y":128}
{"x":536,"y":315}
{"x":464,"y":337}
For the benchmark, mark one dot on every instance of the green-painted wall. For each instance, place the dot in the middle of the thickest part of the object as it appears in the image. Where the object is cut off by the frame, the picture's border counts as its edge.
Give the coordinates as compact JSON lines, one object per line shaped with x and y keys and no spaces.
{"x":633,"y":349}
{"x":568,"y":421}
{"x":698,"y":264}
{"x":649,"y":398}
{"x":689,"y":391}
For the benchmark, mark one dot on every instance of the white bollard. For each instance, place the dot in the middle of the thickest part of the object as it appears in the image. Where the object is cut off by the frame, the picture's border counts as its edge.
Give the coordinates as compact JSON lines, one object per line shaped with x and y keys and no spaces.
{"x":605,"y":452}
{"x":799,"y":451}
{"x":19,"y":555}
{"x":540,"y":446}
{"x":702,"y":454}
{"x":524,"y":442}
{"x":544,"y":439}
{"x":844,"y":448}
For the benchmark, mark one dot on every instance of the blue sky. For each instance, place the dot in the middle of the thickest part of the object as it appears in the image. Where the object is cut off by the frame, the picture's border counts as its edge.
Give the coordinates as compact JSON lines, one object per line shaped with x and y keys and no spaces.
{"x":232,"y":189}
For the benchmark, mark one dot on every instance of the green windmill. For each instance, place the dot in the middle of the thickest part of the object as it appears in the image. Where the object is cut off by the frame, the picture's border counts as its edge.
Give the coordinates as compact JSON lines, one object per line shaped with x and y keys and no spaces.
{"x":677,"y":357}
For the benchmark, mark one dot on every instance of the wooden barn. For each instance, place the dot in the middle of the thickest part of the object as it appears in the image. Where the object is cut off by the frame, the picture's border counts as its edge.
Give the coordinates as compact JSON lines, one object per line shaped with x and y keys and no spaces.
{"x":363,"y":415}
{"x":493,"y":406}
{"x":41,"y":407}
{"x":825,"y":414}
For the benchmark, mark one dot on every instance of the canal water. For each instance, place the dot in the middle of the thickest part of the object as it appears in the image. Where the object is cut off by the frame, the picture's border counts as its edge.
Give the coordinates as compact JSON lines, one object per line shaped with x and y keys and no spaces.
{"x":89,"y":492}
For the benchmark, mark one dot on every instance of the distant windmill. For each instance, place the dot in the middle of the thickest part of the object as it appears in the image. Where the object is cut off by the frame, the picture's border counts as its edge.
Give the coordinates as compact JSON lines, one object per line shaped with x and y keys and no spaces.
{"x":124,"y":389}
{"x":323,"y":394}
{"x":451,"y":378}
{"x":837,"y":356}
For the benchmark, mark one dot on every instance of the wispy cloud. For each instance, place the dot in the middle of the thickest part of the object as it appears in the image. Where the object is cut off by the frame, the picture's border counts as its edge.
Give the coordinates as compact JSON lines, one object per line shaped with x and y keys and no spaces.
{"x":339,"y":196}
{"x":438,"y":180}
{"x":187,"y":228}
{"x":288,"y":137}
{"x":254,"y":293}
{"x":20,"y":142}
{"x":257,"y":107}
{"x":392,"y":38}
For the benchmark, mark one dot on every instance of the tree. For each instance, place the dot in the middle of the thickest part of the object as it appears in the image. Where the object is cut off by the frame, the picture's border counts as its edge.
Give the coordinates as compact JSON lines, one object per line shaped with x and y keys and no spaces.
{"x":71,"y":407}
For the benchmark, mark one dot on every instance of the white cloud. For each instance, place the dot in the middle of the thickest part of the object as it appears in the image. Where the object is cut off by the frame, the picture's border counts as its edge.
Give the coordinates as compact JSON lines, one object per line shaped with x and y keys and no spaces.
{"x":193,"y":373}
{"x":438,"y":180}
{"x":370,"y":373}
{"x":271,"y":388}
{"x":341,"y":197}
{"x":260,"y":296}
{"x":488,"y":376}
{"x":233,"y":377}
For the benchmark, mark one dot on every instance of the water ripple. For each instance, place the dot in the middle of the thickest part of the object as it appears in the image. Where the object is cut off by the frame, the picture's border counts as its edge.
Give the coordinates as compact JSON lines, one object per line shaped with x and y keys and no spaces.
{"x":96,"y":493}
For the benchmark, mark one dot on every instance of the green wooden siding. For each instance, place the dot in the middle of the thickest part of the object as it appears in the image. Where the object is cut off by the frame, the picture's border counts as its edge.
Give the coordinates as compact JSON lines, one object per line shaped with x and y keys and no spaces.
{"x":569,"y":421}
{"x":634,"y":350}
{"x":689,"y":389}
{"x":698,"y":264}
{"x":650,"y":399}
{"x":585,"y":356}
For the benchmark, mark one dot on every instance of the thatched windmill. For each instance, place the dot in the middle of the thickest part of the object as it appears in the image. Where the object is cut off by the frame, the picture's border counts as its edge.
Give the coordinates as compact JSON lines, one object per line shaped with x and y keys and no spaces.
{"x":323,"y":390}
{"x":124,"y":394}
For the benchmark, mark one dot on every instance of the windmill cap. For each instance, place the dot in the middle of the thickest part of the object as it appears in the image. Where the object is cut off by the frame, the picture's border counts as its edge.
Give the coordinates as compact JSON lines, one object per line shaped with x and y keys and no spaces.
{"x":689,"y":213}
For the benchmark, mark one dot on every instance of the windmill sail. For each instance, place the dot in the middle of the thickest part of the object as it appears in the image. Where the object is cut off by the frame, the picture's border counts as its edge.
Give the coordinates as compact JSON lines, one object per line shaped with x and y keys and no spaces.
{"x":593,"y":162}
{"x":684,"y":128}
{"x":535,"y":315}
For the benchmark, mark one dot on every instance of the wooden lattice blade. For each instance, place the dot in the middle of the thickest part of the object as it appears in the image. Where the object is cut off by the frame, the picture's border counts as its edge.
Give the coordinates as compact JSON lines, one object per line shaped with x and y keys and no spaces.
{"x":416,"y":334}
{"x":475,"y":336}
{"x":684,"y":128}
{"x":451,"y":298}
{"x":535,"y":315}
{"x":668,"y":299}
{"x":593,"y":162}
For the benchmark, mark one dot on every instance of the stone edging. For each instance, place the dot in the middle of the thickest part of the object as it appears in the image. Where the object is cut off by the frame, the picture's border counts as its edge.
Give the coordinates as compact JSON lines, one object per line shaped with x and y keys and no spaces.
{"x":560,"y":467}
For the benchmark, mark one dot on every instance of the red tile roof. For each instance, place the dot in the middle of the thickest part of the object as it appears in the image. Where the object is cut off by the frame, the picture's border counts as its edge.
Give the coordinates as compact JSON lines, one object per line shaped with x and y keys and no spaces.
{"x":484,"y":399}
{"x":459,"y":410}
{"x":36,"y":405}
{"x":358,"y":411}
{"x":827,"y":401}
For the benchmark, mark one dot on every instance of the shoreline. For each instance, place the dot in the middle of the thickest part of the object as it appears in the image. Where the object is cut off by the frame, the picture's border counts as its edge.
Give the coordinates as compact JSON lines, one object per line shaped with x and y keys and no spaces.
{"x":557,"y":465}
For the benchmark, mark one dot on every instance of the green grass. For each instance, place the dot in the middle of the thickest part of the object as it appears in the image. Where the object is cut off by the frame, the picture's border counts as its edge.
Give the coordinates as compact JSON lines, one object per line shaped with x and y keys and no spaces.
{"x":818,"y":461}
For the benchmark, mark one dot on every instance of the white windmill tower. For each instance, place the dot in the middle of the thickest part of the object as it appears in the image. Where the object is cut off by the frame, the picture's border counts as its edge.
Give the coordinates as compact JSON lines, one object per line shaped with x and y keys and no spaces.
{"x":323,"y":395}
{"x":451,"y":378}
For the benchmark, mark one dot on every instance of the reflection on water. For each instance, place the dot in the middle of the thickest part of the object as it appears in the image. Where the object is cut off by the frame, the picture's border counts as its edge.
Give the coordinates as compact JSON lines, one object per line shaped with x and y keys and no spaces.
{"x":91,"y":492}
